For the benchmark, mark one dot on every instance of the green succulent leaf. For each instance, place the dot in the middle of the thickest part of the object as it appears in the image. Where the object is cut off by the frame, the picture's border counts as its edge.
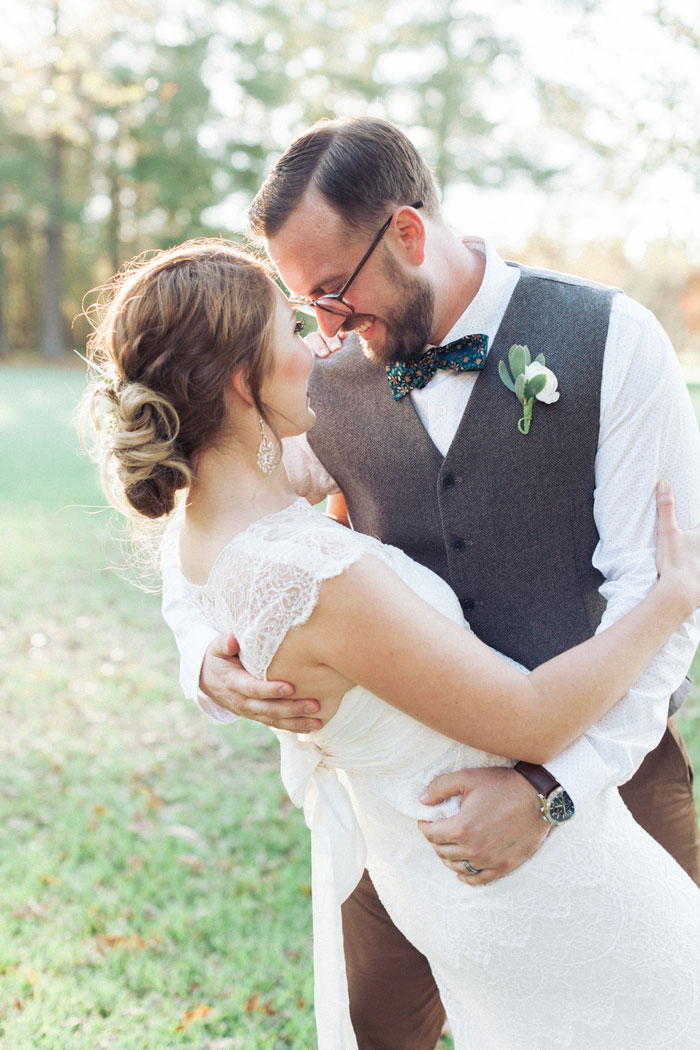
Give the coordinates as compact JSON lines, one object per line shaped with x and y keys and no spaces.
{"x":505,"y":377}
{"x":520,"y":387}
{"x":535,"y":385}
{"x":540,"y":359}
{"x":519,"y":359}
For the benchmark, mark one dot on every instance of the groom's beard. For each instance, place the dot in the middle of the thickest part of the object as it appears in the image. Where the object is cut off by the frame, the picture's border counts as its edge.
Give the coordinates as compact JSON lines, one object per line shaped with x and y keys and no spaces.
{"x":408,"y":328}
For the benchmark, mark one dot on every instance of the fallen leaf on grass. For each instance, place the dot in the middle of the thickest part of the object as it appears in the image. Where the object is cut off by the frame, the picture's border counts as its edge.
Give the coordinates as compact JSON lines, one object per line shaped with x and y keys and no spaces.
{"x":141,"y":827}
{"x":98,"y":810}
{"x":191,"y":861}
{"x":254,"y":1004}
{"x":119,"y":940}
{"x":153,"y":799}
{"x":194,"y":1014}
{"x":31,"y":910}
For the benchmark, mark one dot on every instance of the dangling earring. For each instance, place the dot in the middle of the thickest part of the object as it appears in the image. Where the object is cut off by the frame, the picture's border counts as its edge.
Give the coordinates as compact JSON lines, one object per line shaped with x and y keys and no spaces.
{"x":267,"y":453}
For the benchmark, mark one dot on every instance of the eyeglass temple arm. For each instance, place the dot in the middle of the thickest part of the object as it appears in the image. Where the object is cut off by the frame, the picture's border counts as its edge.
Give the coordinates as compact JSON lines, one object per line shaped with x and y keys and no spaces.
{"x":373,"y":245}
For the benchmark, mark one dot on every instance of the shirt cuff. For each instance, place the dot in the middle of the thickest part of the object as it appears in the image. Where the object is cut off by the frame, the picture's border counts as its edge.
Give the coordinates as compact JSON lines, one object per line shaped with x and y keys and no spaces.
{"x":212,"y":709}
{"x":581,"y":772}
{"x":198,"y":641}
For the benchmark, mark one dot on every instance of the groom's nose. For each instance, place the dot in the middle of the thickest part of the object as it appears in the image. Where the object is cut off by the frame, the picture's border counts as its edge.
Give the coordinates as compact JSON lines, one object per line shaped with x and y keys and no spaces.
{"x":330,"y":324}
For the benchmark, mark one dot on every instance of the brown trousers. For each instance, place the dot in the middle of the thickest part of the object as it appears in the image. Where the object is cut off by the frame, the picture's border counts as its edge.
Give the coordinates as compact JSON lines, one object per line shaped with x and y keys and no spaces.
{"x":394,"y":1002}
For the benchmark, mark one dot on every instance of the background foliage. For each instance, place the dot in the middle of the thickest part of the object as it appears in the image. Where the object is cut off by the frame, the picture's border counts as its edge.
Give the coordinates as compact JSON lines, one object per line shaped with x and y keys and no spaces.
{"x":133,"y":124}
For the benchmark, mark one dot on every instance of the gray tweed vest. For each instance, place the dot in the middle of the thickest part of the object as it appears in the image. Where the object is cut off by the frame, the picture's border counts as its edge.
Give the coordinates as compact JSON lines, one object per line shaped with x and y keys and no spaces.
{"x":506,"y":519}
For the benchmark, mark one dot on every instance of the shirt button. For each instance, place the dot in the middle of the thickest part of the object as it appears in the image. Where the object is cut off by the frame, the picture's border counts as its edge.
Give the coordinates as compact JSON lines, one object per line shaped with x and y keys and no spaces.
{"x":458,"y":544}
{"x":467,"y":604}
{"x":448,"y":481}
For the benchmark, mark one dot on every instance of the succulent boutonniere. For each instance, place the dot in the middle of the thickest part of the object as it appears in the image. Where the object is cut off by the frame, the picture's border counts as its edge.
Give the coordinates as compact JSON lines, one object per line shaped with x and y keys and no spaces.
{"x":530,"y":381}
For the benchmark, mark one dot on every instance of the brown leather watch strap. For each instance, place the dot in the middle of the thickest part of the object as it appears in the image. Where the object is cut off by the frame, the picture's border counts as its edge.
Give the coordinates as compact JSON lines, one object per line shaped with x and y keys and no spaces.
{"x":540,"y":778}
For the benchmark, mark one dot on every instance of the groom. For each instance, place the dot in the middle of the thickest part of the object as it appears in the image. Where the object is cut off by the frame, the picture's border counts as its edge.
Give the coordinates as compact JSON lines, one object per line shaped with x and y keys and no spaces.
{"x":543,"y":536}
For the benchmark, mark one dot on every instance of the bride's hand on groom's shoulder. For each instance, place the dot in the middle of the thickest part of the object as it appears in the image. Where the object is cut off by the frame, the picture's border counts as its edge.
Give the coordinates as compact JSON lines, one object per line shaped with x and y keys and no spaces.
{"x":677,"y":551}
{"x":499,"y":824}
{"x":224,"y":680}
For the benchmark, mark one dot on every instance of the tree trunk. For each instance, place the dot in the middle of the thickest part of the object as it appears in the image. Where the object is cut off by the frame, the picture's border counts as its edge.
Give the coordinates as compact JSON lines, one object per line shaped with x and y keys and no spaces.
{"x":4,"y":343}
{"x":52,"y":334}
{"x":114,"y":223}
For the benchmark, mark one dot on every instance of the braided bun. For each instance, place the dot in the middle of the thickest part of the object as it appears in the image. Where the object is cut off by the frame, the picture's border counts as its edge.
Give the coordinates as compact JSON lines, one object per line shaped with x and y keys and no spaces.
{"x":173,"y":330}
{"x":143,"y":441}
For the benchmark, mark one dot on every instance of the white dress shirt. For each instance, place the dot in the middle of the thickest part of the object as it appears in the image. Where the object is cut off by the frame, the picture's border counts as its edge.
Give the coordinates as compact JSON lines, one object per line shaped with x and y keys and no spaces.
{"x":647,"y":433}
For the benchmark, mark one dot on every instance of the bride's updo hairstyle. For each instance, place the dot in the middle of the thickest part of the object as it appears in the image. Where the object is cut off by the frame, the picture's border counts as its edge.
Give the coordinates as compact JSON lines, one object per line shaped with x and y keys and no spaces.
{"x":171,"y":329}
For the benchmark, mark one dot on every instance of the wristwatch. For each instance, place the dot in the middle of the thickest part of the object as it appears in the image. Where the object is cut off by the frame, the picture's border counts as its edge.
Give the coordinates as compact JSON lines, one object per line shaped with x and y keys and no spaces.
{"x":555,"y":804}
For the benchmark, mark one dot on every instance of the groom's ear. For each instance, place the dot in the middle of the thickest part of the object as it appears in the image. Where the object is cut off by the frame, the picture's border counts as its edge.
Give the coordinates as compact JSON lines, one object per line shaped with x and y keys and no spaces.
{"x":409,"y":235}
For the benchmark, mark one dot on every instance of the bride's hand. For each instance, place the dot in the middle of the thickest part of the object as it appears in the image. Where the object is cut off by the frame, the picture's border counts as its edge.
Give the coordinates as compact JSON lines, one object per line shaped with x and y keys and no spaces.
{"x":677,"y":552}
{"x":321,"y":346}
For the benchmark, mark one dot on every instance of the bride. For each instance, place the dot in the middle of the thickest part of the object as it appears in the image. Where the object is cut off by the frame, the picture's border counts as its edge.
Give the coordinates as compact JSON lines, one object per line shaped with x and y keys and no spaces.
{"x":593,"y":942}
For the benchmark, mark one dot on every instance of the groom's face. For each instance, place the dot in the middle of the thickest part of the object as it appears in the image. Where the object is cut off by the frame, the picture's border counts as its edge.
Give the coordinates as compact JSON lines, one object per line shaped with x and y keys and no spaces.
{"x":315,"y":253}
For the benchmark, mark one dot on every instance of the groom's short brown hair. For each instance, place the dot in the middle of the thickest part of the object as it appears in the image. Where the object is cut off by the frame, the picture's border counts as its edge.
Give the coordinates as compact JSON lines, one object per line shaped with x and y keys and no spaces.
{"x":363,"y":167}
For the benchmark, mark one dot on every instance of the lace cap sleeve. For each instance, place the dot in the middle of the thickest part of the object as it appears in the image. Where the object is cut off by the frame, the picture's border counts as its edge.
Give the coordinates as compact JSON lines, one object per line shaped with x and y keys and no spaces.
{"x":268,"y":579}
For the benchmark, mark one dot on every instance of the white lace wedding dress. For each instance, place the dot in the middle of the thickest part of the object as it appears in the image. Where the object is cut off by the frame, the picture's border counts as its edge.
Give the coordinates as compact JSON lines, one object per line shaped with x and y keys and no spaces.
{"x":593,"y":944}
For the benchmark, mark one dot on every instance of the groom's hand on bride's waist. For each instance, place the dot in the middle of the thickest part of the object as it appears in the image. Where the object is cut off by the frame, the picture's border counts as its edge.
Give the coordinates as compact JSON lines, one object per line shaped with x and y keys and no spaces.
{"x":224,"y":680}
{"x":499,"y":824}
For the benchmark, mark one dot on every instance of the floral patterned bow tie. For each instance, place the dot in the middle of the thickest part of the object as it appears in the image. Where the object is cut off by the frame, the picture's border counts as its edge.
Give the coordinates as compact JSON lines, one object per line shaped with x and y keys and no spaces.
{"x":467,"y":354}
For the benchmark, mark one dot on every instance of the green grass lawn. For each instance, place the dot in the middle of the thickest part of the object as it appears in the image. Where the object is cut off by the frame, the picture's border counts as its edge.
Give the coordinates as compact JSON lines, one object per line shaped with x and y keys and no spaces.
{"x":155,"y":878}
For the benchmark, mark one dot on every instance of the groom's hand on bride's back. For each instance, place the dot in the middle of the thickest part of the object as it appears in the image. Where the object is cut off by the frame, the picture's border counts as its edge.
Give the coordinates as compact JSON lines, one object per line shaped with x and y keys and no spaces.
{"x":498,"y":826}
{"x":225,"y":681}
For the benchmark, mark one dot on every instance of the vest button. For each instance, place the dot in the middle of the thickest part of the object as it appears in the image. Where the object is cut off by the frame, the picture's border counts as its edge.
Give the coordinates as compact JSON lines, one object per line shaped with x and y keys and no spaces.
{"x":458,"y":544}
{"x":467,"y":604}
{"x":448,"y":481}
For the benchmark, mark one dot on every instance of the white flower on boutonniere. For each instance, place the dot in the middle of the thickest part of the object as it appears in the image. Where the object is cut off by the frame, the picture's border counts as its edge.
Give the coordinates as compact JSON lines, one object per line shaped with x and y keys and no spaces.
{"x":529,"y":381}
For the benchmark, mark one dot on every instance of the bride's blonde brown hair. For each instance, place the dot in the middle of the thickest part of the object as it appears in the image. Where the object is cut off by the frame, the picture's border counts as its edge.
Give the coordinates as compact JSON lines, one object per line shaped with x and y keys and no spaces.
{"x":171,"y":329}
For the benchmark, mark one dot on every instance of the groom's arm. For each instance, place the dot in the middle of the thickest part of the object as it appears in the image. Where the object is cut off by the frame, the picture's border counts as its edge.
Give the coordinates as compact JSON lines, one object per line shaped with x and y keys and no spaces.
{"x":648,"y":432}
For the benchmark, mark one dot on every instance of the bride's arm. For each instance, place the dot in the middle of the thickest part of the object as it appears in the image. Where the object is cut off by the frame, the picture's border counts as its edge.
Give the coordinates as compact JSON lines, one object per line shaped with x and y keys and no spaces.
{"x":371,"y":628}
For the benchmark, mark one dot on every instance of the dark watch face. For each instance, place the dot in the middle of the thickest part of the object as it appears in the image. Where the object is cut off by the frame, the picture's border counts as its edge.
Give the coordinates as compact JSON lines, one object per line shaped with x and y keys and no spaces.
{"x":560,"y":806}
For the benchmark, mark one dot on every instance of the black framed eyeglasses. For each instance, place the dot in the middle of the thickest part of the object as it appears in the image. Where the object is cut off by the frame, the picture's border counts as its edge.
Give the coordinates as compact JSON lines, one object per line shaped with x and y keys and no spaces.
{"x":334,"y":303}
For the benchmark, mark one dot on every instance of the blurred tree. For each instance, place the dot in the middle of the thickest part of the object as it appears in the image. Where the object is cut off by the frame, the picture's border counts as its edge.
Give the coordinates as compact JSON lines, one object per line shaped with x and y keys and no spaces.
{"x":663,"y":279}
{"x":105,"y":153}
{"x":679,"y":141}
{"x":455,"y":78}
{"x":125,"y":123}
{"x":442,"y":72}
{"x":19,"y":169}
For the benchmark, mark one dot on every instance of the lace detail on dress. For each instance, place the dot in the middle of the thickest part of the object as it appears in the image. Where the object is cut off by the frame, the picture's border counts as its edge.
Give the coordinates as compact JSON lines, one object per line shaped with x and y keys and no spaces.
{"x":267,"y":579}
